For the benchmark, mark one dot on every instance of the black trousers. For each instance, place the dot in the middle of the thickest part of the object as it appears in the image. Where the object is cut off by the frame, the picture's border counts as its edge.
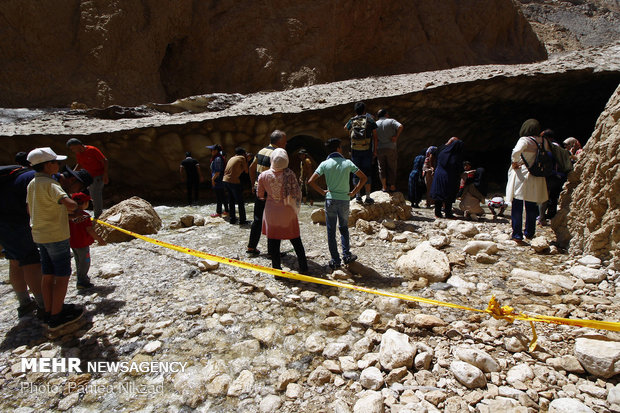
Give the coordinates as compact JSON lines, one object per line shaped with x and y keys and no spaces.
{"x":273,"y":247}
{"x":192,"y":190}
{"x":257,"y":224}
{"x":222,"y":200}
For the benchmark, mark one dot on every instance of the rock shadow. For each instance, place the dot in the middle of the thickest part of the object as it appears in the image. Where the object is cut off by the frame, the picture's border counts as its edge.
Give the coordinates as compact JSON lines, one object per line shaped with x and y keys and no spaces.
{"x":28,"y":331}
{"x":372,"y":277}
{"x":421,"y":218}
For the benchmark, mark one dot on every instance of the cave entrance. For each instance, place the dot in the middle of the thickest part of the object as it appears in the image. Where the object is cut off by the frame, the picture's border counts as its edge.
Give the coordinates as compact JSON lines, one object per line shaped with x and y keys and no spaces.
{"x":314,"y":146}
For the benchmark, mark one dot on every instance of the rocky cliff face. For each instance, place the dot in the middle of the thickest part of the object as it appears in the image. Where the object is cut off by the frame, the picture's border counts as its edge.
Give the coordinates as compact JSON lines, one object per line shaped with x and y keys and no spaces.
{"x":589,"y":219}
{"x":564,"y":25}
{"x":103,"y":52}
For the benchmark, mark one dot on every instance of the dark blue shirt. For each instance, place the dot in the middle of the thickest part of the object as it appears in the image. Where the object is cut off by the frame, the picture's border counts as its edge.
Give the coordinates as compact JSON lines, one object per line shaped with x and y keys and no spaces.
{"x":13,"y":198}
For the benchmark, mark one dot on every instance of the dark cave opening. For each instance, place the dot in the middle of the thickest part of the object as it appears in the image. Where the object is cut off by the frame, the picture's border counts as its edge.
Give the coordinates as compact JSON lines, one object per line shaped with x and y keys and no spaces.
{"x":487,"y":116}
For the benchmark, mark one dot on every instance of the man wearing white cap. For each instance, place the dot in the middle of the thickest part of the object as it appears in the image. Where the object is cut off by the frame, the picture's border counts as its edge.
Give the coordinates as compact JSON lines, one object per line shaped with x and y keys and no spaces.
{"x":48,"y":206}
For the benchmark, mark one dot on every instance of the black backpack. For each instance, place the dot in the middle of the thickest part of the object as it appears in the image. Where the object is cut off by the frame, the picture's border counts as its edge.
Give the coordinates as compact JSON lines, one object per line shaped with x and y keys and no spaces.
{"x":543,"y":164}
{"x":10,"y":172}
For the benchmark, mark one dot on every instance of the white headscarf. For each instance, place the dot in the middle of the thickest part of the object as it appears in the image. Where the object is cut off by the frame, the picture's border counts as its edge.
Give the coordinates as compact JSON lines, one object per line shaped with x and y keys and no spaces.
{"x":279,"y":159}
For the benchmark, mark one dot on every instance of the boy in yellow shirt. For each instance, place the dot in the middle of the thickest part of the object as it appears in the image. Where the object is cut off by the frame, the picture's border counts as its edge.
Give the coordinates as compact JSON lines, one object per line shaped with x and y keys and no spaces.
{"x":49,"y":207}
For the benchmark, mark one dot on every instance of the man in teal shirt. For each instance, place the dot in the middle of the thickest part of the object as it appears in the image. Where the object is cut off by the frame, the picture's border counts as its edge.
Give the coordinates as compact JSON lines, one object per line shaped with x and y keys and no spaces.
{"x":337,"y":195}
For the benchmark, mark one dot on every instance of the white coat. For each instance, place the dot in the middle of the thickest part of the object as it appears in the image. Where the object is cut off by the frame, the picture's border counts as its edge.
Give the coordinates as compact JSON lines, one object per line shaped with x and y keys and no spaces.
{"x":521,"y":184}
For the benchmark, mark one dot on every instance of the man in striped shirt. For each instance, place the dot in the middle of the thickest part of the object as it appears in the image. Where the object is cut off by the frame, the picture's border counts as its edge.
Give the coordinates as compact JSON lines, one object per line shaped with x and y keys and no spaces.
{"x":260,"y":164}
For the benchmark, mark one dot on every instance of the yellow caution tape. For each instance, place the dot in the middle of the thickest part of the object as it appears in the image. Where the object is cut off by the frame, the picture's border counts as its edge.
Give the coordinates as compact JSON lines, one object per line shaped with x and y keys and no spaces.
{"x":494,"y":309}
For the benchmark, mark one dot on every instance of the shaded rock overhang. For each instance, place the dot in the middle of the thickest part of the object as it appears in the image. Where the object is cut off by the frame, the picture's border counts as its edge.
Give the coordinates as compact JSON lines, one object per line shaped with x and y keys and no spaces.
{"x":483,"y":105}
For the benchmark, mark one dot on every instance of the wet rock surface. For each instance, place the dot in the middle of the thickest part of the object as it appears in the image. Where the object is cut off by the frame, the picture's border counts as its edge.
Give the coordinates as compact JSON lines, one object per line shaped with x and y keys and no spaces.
{"x":255,"y":342}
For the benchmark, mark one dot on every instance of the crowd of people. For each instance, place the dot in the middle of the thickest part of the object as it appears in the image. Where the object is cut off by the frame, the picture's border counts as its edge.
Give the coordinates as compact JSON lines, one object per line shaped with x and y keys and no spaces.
{"x":43,"y":217}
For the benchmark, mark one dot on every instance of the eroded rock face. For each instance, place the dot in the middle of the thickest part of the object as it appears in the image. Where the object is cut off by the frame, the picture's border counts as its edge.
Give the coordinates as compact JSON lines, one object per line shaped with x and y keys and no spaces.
{"x":101,"y":53}
{"x":589,"y":219}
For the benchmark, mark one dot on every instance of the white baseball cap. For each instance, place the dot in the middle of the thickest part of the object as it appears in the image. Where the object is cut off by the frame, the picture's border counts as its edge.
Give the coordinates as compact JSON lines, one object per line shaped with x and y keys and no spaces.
{"x":40,"y":155}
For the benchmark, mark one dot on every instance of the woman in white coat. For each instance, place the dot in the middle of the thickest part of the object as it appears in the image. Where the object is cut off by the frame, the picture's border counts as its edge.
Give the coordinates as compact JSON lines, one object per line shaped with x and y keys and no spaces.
{"x":524,"y":188}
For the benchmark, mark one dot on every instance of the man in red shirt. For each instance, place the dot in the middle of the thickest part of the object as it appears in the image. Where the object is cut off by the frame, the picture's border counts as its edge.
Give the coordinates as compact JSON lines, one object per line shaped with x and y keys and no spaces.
{"x":91,"y":159}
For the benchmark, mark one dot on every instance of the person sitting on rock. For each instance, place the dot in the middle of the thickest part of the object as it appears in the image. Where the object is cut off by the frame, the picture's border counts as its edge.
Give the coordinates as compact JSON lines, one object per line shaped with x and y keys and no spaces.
{"x":337,"y":171}
{"x":474,"y":191}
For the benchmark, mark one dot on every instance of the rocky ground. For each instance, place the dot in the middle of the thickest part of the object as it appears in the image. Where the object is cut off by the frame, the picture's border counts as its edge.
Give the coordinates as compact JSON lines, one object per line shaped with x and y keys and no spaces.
{"x":253,"y":342}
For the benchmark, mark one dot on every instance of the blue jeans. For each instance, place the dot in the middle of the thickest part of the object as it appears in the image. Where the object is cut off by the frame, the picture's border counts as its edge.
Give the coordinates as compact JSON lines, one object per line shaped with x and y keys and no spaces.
{"x":516,"y":216}
{"x":56,"y":258}
{"x":337,"y":210}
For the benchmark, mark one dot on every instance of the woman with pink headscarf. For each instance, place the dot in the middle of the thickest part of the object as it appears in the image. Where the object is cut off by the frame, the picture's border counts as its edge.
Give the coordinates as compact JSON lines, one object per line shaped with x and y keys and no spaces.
{"x":281,"y":208}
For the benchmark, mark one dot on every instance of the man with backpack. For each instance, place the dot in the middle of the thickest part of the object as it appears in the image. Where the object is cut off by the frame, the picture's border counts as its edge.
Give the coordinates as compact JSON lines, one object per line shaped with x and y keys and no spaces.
{"x":16,"y":238}
{"x":362,"y":130}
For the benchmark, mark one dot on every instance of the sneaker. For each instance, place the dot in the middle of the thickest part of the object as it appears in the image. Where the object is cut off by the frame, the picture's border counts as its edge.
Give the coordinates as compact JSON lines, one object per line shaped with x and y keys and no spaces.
{"x":215,"y":215}
{"x":24,"y":310}
{"x":225,"y":213}
{"x":349,"y":259}
{"x":84,"y":285}
{"x":68,"y":315}
{"x":253,"y":252}
{"x":358,"y":199}
{"x":334,"y":265}
{"x":369,"y":200}
{"x":43,"y":316}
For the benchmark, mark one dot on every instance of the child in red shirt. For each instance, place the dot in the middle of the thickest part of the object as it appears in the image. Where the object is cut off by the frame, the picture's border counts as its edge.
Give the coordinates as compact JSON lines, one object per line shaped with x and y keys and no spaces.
{"x":82,"y":236}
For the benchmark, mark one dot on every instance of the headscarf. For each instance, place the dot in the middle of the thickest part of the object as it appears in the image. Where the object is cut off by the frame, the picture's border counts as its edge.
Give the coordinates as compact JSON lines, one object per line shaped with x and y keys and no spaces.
{"x":279,"y":159}
{"x":572,"y":143}
{"x":451,"y":140}
{"x":530,"y":127}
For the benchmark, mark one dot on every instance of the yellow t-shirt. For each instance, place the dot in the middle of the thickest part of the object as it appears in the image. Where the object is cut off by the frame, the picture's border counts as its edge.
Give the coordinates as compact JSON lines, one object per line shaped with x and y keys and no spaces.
{"x":49,"y":218}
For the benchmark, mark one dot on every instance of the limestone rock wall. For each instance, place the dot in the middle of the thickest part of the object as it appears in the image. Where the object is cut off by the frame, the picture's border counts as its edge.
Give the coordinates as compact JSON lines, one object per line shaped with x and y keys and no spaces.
{"x":589,"y":219}
{"x":102,"y":52}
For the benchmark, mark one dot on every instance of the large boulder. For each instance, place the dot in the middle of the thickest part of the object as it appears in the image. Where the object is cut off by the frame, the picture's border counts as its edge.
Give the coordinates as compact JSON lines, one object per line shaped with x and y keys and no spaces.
{"x":390,"y":206}
{"x":424,"y":261}
{"x":134,"y":214}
